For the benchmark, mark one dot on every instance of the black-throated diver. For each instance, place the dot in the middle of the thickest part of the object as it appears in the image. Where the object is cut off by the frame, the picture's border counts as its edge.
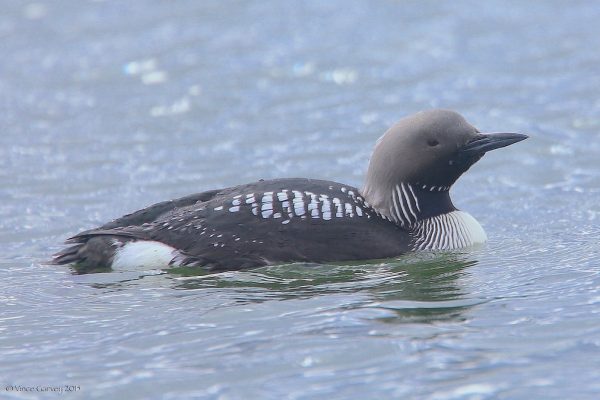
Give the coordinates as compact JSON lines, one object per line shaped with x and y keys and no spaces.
{"x":404,"y":205}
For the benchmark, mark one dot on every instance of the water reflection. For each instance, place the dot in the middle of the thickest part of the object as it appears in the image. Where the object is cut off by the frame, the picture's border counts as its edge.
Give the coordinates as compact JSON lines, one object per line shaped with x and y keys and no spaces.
{"x":414,"y":288}
{"x":420,"y":287}
{"x":432,"y":292}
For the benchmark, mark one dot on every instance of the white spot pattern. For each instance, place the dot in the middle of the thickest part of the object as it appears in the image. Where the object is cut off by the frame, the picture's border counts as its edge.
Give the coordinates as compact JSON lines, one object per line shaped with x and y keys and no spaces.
{"x":349,"y":210}
{"x":292,"y":204}
{"x":434,"y":188}
{"x":282,"y":196}
{"x":338,"y":207}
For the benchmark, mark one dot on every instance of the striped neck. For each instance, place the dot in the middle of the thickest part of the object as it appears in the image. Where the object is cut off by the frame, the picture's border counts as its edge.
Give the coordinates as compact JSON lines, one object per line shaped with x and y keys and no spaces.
{"x":452,"y":230}
{"x":429,"y":215}
{"x":407,"y":204}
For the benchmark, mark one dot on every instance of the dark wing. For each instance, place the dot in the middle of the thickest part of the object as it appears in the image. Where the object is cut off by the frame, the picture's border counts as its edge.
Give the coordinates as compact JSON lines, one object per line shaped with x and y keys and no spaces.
{"x":155,"y":211}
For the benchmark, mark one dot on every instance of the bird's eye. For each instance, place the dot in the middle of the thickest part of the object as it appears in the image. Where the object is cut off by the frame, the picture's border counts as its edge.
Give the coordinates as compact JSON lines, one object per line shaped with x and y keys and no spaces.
{"x":432,"y":142}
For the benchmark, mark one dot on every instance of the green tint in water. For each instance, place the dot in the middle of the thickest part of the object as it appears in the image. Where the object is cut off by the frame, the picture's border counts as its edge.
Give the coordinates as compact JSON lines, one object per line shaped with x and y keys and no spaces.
{"x":419,"y":285}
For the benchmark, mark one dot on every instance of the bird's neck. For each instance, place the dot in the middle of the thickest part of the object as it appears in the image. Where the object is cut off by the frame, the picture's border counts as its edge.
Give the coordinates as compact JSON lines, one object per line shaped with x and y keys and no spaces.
{"x":407,"y":204}
{"x":428,"y":214}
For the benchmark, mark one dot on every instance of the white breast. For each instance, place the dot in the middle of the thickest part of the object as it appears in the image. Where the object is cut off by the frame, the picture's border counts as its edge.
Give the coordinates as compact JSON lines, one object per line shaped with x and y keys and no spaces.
{"x":453,"y":230}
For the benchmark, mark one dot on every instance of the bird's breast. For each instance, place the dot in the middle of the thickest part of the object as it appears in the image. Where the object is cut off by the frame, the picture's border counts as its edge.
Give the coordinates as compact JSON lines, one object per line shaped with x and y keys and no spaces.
{"x":452,"y":230}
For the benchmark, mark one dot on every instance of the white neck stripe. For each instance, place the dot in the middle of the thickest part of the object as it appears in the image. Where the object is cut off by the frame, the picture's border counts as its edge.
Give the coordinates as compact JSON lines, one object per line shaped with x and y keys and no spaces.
{"x":414,"y":197}
{"x":397,"y":215}
{"x":407,"y":200}
{"x":401,"y":200}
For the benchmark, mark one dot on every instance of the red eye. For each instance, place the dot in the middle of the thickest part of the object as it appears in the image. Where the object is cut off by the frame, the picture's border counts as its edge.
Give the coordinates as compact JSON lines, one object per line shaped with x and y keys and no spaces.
{"x":432,"y":142}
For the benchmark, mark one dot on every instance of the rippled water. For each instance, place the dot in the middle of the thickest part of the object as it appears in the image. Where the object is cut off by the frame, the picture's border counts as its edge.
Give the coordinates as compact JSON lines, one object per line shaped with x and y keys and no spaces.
{"x":109,"y":106}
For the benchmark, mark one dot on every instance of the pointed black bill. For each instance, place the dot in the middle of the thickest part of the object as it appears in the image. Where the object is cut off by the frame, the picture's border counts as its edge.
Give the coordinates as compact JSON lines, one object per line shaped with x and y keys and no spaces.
{"x":485,"y":142}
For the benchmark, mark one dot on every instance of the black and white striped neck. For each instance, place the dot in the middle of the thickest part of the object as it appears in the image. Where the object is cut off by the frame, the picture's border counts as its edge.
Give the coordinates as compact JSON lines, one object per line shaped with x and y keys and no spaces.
{"x":452,"y":230}
{"x":407,"y":203}
{"x":428,"y":214}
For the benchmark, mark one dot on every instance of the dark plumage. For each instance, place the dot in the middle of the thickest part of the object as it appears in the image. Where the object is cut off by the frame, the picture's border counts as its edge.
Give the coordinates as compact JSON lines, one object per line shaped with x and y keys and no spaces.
{"x":406,"y":205}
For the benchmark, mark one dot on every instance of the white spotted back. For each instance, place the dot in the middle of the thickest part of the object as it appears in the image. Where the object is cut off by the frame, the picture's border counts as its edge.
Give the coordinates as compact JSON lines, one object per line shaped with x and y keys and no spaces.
{"x":290,"y":204}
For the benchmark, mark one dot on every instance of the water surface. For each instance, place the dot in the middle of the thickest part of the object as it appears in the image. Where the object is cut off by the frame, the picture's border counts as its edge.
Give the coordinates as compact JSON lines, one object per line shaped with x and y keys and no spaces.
{"x":109,"y":106}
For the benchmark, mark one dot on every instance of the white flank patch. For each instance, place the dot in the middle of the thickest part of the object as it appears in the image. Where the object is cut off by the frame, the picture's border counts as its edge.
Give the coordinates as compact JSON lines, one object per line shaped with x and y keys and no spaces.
{"x":145,"y":253}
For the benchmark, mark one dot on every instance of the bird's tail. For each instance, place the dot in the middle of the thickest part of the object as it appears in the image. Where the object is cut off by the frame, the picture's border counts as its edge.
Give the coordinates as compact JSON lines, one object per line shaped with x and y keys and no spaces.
{"x":69,"y":255}
{"x":93,"y":253}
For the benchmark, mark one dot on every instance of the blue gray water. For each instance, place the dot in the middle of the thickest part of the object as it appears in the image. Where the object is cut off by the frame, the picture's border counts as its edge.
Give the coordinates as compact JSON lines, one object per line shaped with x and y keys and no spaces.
{"x":109,"y":106}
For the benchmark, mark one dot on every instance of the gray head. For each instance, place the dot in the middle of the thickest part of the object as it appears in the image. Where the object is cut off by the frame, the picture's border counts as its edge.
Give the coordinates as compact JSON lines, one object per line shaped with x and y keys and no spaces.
{"x":430,"y":149}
